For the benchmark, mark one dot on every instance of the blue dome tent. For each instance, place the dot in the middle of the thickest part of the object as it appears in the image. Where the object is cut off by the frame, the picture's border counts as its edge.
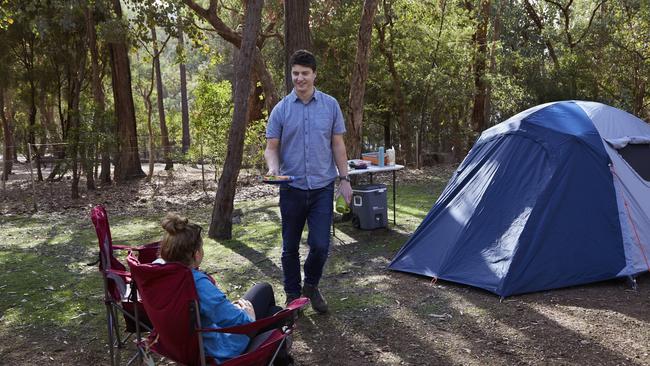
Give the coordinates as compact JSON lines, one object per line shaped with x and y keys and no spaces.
{"x":555,"y":196}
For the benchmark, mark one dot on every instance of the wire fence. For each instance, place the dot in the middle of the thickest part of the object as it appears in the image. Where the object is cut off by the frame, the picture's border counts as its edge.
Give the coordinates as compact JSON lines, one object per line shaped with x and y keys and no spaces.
{"x":46,"y":164}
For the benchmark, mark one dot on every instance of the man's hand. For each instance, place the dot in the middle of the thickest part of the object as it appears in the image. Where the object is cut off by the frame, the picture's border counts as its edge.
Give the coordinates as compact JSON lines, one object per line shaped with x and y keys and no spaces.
{"x":345,"y":190}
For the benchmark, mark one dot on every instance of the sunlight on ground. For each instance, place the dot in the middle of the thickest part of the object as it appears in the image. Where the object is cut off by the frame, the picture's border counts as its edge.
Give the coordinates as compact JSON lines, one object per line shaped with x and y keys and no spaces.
{"x":573,"y":318}
{"x":361,"y":344}
{"x":435,"y":343}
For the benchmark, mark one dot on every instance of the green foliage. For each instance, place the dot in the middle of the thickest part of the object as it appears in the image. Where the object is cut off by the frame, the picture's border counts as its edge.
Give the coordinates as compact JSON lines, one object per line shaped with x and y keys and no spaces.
{"x":211,"y":116}
{"x":601,"y":51}
{"x":5,"y":15}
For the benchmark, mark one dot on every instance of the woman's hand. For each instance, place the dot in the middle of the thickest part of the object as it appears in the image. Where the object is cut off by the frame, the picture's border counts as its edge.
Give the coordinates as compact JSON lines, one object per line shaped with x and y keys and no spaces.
{"x":246,"y":306}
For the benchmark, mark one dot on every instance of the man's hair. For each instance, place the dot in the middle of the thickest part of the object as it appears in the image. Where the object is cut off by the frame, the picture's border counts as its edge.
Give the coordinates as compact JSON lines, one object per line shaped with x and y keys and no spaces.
{"x":303,"y":58}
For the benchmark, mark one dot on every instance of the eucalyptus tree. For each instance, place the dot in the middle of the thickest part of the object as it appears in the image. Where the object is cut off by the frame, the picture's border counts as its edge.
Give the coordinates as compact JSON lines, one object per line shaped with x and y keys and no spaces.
{"x":128,"y":165}
{"x":149,"y":15}
{"x":359,"y":78}
{"x":221,"y":223}
{"x":6,"y":115}
{"x":182,"y":69}
{"x":23,"y":37}
{"x":66,"y":35}
{"x":480,"y":38}
{"x":93,"y":12}
{"x":296,"y":33}
{"x":266,"y":93}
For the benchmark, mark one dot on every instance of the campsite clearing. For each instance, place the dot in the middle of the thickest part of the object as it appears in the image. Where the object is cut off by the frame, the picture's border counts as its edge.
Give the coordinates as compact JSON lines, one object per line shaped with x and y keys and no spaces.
{"x":51,"y":310}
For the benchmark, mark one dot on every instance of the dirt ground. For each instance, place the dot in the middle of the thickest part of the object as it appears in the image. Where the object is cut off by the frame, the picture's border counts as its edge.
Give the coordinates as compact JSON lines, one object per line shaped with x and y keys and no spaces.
{"x":378,"y":317}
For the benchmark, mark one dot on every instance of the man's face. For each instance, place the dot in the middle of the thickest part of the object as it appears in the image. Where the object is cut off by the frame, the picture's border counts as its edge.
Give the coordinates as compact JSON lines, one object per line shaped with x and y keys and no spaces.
{"x":303,"y":78}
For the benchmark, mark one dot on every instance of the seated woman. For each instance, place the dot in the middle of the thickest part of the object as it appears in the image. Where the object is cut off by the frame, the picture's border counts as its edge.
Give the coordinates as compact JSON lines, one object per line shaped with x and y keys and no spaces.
{"x":182,"y":243}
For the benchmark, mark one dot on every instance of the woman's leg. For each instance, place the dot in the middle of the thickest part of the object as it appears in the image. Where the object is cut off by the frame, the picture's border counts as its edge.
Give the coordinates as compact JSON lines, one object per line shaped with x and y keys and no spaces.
{"x":263,"y":300}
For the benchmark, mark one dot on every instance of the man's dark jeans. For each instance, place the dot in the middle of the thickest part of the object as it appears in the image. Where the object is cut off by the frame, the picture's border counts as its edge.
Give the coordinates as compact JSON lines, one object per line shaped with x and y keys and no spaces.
{"x":297,"y":206}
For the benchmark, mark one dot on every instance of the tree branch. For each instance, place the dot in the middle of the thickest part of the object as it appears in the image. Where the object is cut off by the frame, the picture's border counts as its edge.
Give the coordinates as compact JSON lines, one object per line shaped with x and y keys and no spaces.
{"x":540,"y":26}
{"x":593,"y":15}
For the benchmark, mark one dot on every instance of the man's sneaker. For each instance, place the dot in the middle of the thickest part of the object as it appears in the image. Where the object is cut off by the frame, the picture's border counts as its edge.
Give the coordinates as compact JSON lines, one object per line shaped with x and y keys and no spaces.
{"x":290,"y":298}
{"x":317,"y":300}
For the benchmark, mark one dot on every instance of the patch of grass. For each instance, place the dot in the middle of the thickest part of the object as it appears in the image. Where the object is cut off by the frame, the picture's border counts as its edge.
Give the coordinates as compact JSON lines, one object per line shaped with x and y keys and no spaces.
{"x":45,"y":281}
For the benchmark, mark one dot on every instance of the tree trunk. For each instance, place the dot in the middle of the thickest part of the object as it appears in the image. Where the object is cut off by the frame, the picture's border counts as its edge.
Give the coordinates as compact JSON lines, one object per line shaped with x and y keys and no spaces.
{"x":399,"y":101}
{"x":221,"y":223}
{"x":32,"y":128}
{"x":359,"y":78}
{"x":146,"y":97}
{"x":149,"y":107}
{"x":7,"y":156}
{"x":99,"y":118}
{"x":480,"y":62}
{"x":496,"y":35}
{"x":75,"y":80}
{"x":185,"y":112}
{"x":296,"y":33}
{"x":639,"y":87}
{"x":60,"y":166}
{"x":387,"y":130}
{"x":128,"y":163}
{"x":164,"y":134}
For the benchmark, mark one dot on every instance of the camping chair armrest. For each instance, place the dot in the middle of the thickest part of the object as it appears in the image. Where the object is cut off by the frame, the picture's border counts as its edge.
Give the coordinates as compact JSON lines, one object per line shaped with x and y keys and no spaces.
{"x":154,"y":245}
{"x":118,"y":272}
{"x":278,"y":319}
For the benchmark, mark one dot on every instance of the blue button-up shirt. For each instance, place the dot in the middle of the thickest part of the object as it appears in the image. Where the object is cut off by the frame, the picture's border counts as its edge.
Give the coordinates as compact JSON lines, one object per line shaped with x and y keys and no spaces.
{"x":305,"y":132}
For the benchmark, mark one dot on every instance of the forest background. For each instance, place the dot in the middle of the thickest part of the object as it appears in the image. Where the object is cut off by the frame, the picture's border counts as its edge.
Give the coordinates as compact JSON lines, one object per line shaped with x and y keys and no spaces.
{"x":93,"y":88}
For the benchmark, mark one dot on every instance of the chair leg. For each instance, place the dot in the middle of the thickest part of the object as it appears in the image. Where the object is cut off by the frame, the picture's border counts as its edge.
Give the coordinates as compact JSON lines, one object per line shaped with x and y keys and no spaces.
{"x":110,"y":319}
{"x":116,"y":324}
{"x":277,"y":351}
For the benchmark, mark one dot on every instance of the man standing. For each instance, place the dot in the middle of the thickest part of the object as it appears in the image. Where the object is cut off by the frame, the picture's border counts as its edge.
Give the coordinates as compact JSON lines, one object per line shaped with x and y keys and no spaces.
{"x":304,"y":139}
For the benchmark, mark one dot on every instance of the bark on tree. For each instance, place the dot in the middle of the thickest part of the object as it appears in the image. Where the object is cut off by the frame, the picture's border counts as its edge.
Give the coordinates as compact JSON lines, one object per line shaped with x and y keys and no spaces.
{"x":164,"y":134}
{"x":221,"y":223}
{"x":128,"y":163}
{"x":7,"y":156}
{"x":99,"y":97}
{"x":639,"y":87}
{"x":480,"y":64}
{"x":185,"y":112}
{"x":296,"y":33}
{"x":359,"y":78}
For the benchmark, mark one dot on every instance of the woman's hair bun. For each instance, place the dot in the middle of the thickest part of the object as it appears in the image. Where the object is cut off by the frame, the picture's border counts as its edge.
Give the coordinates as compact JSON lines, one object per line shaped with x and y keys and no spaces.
{"x":173,"y":223}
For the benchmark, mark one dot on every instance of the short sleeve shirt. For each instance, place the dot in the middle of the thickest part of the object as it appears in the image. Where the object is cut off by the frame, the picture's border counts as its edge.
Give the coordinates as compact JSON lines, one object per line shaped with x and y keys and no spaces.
{"x":305,"y":132}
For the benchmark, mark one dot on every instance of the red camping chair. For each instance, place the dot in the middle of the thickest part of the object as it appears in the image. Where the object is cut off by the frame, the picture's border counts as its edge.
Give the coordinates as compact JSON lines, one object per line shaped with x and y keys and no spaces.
{"x":117,"y":281}
{"x":172,"y":303}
